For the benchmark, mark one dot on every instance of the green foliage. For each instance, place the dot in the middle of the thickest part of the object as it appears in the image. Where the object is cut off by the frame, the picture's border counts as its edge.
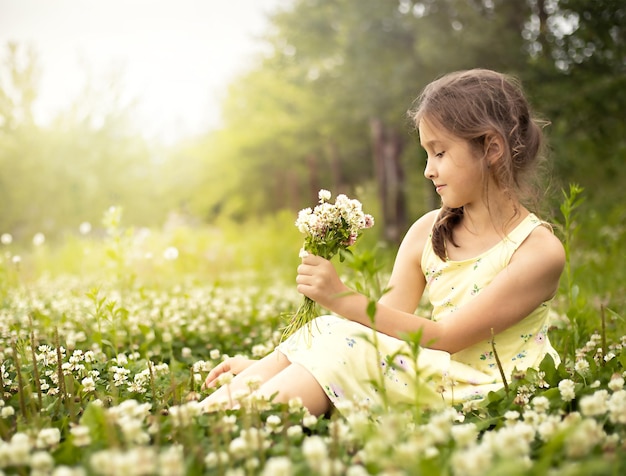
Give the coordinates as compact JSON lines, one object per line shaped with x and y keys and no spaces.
{"x":103,"y":374}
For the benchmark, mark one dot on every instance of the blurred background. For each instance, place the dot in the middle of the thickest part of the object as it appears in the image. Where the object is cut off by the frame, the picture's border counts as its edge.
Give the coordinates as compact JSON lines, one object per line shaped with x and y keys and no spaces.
{"x":204,"y":114}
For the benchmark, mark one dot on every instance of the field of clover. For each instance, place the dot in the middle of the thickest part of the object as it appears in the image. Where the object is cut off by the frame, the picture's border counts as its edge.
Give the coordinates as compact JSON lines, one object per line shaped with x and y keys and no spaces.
{"x":101,"y":365}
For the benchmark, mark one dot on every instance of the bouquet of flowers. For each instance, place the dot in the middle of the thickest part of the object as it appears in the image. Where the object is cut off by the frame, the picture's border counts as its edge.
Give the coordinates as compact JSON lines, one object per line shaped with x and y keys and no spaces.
{"x":328,"y":229}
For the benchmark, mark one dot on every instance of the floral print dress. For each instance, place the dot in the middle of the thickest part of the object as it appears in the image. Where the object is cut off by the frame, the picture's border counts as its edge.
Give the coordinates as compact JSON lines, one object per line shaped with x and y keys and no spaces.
{"x":352,"y":361}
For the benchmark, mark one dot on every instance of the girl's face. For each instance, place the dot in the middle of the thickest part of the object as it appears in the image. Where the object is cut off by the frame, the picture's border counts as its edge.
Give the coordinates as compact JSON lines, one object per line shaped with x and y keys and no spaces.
{"x":453,"y":166}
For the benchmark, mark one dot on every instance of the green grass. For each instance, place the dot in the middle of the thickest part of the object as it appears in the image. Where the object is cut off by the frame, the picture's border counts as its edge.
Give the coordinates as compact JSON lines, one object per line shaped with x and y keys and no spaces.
{"x":105,"y":340}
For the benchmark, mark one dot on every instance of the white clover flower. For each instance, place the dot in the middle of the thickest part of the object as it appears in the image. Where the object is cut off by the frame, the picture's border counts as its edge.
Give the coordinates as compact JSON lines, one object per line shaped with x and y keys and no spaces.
{"x":215,"y":458}
{"x":324,"y":195}
{"x":41,"y":462}
{"x":541,"y":404}
{"x":294,"y":432}
{"x":39,"y":239}
{"x":567,"y":390}
{"x":172,"y":462}
{"x":215,"y":354}
{"x":473,"y":461}
{"x":16,"y":259}
{"x":314,"y":450}
{"x":309,"y":421}
{"x":617,"y":407}
{"x":6,"y":239}
{"x":238,"y":448}
{"x":225,"y":379}
{"x":274,"y":423}
{"x":84,"y":228}
{"x":581,"y":366}
{"x":7,"y":412}
{"x":583,"y":438}
{"x":464,"y":435}
{"x":170,"y":253}
{"x":616,"y":383}
{"x":81,"y":436}
{"x":596,"y":404}
{"x":278,"y":466}
{"x":48,"y":438}
{"x":185,"y":353}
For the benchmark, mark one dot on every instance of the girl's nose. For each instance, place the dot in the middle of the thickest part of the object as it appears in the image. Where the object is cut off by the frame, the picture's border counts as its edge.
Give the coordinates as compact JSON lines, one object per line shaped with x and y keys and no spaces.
{"x":429,"y":171}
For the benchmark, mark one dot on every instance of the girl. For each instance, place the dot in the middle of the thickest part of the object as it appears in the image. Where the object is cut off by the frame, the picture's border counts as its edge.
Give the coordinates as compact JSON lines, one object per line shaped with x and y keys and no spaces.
{"x":490,"y":269}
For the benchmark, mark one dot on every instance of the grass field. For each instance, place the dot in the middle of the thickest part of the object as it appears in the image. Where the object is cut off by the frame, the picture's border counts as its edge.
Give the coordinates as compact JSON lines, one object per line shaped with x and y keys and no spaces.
{"x":106,"y":337}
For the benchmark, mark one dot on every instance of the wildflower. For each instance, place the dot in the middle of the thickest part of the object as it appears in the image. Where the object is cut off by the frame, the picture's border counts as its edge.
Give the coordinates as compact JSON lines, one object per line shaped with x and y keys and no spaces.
{"x":80,"y":434}
{"x":225,"y":379}
{"x":170,"y":253}
{"x":328,"y":229}
{"x":314,"y":450}
{"x":41,"y":462}
{"x":541,"y":404}
{"x":7,"y":412}
{"x":6,"y":238}
{"x":581,"y":366}
{"x":567,"y":390}
{"x":215,"y":458}
{"x":294,"y":432}
{"x":39,"y":239}
{"x":48,"y":438}
{"x":84,"y":228}
{"x":215,"y":354}
{"x":273,"y":422}
{"x":309,"y":421}
{"x":617,"y":407}
{"x":596,"y":404}
{"x":616,"y":383}
{"x":583,"y":438}
{"x":171,"y":461}
{"x":278,"y":466}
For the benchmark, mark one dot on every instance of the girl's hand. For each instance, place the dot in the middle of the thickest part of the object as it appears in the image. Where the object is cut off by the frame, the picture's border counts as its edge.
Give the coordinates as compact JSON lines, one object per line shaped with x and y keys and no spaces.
{"x":234,"y":365}
{"x":317,"y":279}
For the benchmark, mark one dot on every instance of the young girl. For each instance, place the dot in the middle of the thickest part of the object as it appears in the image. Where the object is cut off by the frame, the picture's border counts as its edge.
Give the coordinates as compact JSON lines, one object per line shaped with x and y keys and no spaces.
{"x":489,"y":267}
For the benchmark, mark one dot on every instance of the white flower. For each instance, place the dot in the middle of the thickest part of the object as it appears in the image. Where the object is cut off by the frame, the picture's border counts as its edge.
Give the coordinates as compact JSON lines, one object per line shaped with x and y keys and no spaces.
{"x":171,"y":461}
{"x":324,"y":195}
{"x":567,"y":390}
{"x":170,"y":253}
{"x":41,"y":461}
{"x":617,"y":407}
{"x":616,"y":383}
{"x":314,"y":450}
{"x":39,"y":239}
{"x":278,"y":466}
{"x":48,"y":437}
{"x":215,"y":354}
{"x":84,"y":228}
{"x":80,"y":435}
{"x":596,"y":404}
{"x":7,"y":412}
{"x":6,"y":239}
{"x":465,"y":435}
{"x":581,"y":366}
{"x":541,"y":404}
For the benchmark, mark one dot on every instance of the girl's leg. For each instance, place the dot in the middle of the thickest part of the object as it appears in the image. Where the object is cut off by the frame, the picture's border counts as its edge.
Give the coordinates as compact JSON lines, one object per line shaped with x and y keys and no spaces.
{"x":296,"y":381}
{"x":264,"y":369}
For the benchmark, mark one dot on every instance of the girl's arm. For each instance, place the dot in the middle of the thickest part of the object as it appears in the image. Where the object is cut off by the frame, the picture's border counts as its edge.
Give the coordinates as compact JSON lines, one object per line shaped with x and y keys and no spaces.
{"x":531,"y":278}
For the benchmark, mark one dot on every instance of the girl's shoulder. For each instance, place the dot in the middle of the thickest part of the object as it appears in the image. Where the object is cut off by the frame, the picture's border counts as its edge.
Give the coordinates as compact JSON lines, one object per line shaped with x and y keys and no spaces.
{"x":419,"y":233}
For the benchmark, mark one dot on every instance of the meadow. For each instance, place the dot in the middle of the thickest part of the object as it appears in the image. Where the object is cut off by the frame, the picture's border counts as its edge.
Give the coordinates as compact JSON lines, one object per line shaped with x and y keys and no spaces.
{"x":106,"y":337}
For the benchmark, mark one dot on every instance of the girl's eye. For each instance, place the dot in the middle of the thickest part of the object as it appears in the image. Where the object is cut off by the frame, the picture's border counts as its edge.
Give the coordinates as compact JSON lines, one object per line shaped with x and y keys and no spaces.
{"x":440,"y":154}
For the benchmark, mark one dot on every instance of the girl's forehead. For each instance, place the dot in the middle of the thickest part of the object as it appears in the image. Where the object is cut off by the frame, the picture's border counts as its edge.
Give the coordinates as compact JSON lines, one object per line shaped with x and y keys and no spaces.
{"x":432,"y":131}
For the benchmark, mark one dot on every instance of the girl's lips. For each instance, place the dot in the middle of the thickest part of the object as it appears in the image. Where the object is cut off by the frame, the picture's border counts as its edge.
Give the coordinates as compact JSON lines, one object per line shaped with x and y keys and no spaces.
{"x":439,"y":187}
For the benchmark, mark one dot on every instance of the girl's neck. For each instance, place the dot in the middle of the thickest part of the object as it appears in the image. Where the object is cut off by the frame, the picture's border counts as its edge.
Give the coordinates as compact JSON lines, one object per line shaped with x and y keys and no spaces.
{"x":500,"y":215}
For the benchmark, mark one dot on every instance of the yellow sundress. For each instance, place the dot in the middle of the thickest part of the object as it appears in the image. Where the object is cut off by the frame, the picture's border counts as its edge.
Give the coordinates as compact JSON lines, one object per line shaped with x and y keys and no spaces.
{"x":352,"y":361}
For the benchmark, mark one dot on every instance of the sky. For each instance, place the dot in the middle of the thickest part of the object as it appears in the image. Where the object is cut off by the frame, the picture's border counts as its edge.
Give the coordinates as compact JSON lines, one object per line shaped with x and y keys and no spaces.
{"x":176,"y":57}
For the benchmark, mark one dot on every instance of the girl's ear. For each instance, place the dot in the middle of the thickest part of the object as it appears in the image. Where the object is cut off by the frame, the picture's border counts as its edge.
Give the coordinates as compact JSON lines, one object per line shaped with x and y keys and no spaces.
{"x":494,"y":148}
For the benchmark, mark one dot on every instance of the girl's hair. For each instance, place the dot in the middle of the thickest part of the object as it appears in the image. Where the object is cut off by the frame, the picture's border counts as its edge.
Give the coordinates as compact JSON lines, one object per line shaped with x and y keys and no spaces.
{"x":479,"y":105}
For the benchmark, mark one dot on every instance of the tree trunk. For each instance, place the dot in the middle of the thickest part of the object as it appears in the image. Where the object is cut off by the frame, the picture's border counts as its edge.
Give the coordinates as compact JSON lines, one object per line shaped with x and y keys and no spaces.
{"x":388,"y":145}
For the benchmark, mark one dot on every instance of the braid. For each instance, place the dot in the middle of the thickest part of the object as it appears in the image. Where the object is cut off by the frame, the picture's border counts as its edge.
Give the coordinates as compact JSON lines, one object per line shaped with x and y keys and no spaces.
{"x":442,"y":230}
